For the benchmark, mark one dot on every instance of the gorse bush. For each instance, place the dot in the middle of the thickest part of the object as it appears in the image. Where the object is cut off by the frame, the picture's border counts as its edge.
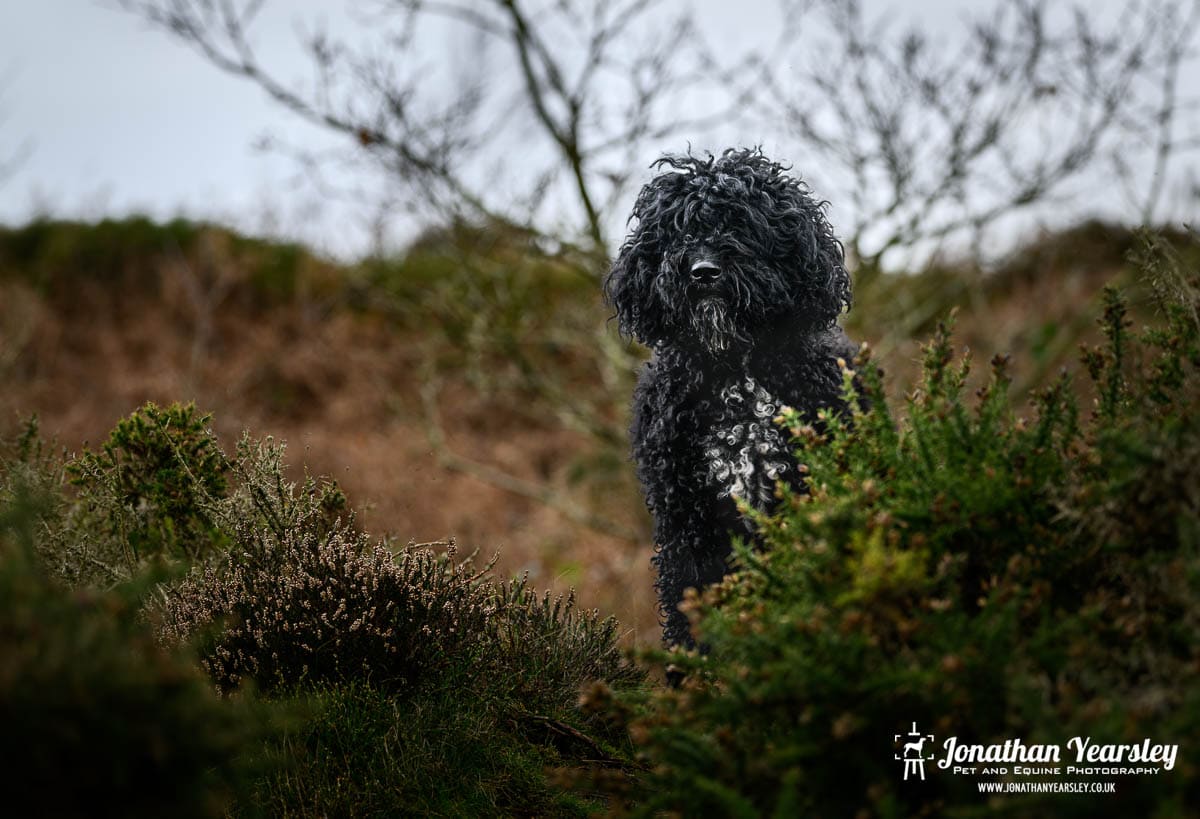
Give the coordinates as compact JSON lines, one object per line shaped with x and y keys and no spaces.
{"x":161,"y":492}
{"x":987,"y":575}
{"x":153,"y":482}
{"x":150,"y":496}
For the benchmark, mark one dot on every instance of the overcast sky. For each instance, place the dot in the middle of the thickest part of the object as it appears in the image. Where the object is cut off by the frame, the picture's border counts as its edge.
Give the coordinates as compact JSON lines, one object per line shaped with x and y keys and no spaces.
{"x":119,"y":117}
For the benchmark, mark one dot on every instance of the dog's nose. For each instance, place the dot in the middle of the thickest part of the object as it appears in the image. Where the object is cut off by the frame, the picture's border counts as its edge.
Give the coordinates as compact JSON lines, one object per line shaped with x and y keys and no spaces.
{"x":706,"y":270}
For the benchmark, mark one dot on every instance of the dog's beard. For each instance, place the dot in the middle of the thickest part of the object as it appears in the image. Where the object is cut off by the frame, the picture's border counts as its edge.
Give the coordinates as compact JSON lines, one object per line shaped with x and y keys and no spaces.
{"x":713,"y":324}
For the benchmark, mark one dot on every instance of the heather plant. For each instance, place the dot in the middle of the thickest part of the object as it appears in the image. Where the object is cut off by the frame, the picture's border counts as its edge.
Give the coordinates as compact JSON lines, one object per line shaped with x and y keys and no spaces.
{"x":985,"y":573}
{"x":558,"y":647}
{"x":468,"y":726}
{"x":334,"y":609}
{"x":333,"y":606}
{"x":406,"y":657}
{"x":301,"y":596}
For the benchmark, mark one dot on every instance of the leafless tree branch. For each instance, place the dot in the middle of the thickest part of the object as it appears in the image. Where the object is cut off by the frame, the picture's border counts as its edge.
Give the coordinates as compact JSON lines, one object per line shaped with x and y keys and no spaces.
{"x":930,"y":143}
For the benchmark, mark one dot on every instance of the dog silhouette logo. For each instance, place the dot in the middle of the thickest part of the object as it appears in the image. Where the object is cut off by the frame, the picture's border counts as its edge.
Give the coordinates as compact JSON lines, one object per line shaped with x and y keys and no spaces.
{"x":912,"y":751}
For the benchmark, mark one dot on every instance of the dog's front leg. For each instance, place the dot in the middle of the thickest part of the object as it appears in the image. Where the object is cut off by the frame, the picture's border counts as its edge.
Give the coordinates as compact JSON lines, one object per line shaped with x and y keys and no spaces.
{"x":691,"y":560}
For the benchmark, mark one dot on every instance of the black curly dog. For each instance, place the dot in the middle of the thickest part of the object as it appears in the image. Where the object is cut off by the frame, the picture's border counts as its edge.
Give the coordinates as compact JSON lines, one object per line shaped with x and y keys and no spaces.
{"x":733,"y":277}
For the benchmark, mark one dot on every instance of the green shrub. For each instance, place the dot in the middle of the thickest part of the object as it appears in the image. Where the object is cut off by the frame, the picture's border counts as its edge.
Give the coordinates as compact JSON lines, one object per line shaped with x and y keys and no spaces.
{"x":316,"y":604}
{"x":153,"y":483}
{"x":468,"y":726}
{"x":439,"y":690}
{"x":301,"y":596}
{"x":97,"y":718}
{"x":120,"y":257}
{"x":549,"y":649}
{"x":161,"y":492}
{"x":430,"y":685}
{"x":985,"y":575}
{"x":56,"y":256}
{"x":329,"y":609}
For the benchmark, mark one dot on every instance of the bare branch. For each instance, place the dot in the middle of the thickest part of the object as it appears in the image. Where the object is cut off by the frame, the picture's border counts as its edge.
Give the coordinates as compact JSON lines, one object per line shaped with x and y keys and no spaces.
{"x":570,"y":77}
{"x":929,"y":144}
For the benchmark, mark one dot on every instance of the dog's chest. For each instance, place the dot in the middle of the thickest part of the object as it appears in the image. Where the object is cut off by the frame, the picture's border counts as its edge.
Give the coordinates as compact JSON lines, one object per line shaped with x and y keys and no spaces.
{"x":744,"y":451}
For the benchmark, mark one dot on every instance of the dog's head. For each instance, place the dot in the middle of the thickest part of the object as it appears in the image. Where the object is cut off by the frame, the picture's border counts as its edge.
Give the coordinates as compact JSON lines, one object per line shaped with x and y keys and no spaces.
{"x":722,"y":248}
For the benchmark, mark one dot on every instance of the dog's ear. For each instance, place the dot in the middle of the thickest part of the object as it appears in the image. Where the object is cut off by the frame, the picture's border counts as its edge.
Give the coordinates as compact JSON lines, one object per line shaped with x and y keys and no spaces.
{"x":633,"y":286}
{"x":629,"y":290}
{"x":828,"y":278}
{"x":814,"y":256}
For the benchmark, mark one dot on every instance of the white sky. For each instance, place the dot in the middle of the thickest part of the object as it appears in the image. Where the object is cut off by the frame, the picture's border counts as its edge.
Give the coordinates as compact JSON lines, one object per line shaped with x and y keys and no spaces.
{"x":121,"y":117}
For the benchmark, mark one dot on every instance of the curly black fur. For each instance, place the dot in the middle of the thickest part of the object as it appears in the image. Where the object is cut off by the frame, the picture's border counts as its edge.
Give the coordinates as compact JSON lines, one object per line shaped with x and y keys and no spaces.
{"x":733,"y":276}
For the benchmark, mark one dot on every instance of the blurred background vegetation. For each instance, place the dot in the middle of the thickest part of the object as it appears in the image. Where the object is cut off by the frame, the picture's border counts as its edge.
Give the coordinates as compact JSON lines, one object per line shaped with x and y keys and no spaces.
{"x":483,"y":397}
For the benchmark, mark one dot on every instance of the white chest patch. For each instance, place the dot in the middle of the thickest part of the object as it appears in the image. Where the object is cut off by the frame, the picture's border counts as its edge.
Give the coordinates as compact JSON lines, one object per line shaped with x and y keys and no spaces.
{"x":746,"y":453}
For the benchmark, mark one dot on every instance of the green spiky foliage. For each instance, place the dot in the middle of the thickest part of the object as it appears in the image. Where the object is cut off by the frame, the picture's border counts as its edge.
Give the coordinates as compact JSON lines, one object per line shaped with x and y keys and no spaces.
{"x":986,"y":574}
{"x":152,"y":485}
